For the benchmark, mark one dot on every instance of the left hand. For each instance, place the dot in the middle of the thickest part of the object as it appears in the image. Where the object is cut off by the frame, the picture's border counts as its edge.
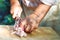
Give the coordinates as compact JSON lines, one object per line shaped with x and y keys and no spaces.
{"x":29,"y":24}
{"x":16,"y":10}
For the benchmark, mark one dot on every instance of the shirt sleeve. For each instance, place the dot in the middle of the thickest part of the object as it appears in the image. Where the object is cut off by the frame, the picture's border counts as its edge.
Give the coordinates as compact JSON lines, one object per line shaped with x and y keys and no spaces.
{"x":48,"y":2}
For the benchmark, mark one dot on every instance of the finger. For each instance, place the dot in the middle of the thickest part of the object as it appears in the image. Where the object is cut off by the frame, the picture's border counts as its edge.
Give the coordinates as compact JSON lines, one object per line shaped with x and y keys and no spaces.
{"x":34,"y":25}
{"x":12,"y":10}
{"x":33,"y":28}
{"x":25,"y":26}
{"x":22,"y":24}
{"x":20,"y":11}
{"x":27,"y":29}
{"x":15,"y":13}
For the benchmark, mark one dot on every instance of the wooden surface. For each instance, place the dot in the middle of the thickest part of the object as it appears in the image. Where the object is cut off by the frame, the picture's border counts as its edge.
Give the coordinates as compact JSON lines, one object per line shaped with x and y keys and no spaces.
{"x":42,"y":33}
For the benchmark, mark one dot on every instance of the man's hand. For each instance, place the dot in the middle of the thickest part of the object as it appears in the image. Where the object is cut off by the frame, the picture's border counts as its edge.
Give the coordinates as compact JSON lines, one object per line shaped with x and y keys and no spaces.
{"x":29,"y":24}
{"x":16,"y":10}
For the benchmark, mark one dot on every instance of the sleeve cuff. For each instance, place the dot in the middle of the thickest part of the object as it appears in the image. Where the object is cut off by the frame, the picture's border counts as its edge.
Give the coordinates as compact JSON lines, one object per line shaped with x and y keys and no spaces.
{"x":48,"y":2}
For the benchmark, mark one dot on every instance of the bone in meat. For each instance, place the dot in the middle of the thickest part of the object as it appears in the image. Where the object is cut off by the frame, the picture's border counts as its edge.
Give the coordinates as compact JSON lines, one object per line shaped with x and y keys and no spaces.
{"x":18,"y":30}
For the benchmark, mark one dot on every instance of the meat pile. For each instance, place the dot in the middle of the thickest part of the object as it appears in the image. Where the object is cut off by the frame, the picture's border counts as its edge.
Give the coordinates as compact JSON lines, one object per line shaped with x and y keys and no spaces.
{"x":17,"y":29}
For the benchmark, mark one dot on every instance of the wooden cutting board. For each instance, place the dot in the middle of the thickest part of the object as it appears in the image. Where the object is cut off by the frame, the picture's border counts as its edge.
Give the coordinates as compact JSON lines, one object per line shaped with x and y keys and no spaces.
{"x":42,"y":33}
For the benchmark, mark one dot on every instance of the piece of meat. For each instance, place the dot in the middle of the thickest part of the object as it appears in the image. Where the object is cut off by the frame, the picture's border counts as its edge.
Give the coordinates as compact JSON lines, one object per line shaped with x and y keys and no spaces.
{"x":19,"y":30}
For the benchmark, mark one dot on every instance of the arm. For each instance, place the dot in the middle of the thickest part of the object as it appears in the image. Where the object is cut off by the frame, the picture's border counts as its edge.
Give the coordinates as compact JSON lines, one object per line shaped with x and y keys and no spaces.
{"x":16,"y":9}
{"x":14,"y":2}
{"x":40,"y":12}
{"x":32,"y":21}
{"x":42,"y":9}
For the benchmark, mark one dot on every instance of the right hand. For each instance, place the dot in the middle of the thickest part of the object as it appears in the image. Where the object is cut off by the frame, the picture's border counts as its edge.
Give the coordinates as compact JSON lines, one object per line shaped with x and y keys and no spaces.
{"x":16,"y":10}
{"x":29,"y":24}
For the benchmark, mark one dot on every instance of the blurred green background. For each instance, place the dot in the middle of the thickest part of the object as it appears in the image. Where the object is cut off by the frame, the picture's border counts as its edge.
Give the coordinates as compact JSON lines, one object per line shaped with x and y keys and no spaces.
{"x":52,"y":19}
{"x":5,"y":16}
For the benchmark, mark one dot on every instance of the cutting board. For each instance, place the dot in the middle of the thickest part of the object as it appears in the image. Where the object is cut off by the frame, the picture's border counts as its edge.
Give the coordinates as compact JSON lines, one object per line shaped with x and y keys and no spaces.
{"x":42,"y":33}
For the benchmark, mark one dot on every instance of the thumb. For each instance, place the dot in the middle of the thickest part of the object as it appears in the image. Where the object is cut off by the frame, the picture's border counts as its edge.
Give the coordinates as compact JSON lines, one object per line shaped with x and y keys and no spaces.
{"x":15,"y":13}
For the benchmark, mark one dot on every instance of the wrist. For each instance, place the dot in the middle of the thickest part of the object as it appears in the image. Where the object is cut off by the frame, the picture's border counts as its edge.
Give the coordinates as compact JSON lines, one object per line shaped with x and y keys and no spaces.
{"x":15,"y":3}
{"x":34,"y":17}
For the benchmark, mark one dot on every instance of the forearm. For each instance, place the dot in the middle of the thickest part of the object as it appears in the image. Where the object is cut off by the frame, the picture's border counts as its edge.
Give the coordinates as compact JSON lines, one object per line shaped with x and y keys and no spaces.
{"x":40,"y":12}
